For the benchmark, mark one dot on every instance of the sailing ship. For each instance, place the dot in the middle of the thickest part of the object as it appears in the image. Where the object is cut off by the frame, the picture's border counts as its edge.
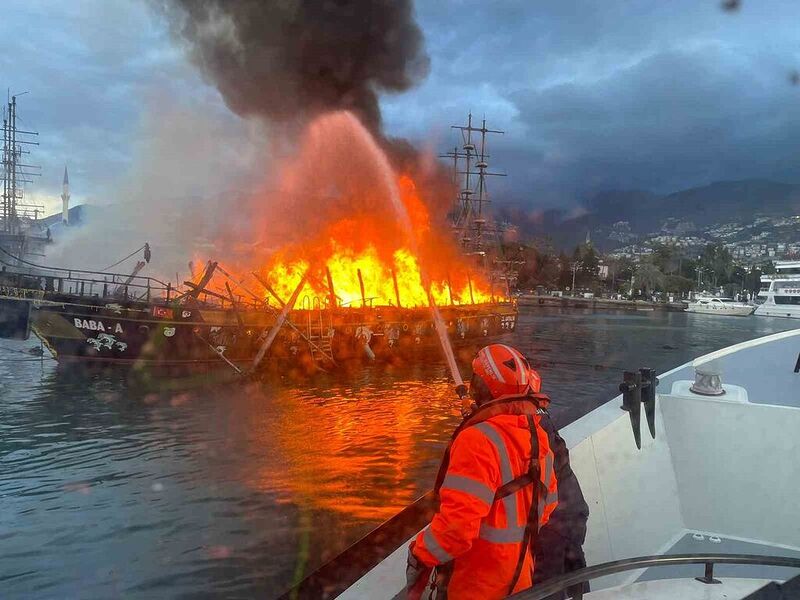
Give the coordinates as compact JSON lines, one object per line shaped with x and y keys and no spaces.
{"x":477,"y":235}
{"x":220,"y":319}
{"x":131,"y":319}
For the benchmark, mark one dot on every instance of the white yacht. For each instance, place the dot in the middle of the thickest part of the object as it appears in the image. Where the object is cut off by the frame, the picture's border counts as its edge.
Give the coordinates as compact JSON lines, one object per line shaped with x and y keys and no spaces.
{"x":780,"y":293}
{"x":705,"y":507}
{"x":711,"y":305}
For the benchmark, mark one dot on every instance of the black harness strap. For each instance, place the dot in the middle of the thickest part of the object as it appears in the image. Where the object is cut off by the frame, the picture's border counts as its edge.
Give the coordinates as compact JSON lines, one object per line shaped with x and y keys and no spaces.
{"x":532,"y":526}
{"x":483,"y":413}
{"x":513,"y":486}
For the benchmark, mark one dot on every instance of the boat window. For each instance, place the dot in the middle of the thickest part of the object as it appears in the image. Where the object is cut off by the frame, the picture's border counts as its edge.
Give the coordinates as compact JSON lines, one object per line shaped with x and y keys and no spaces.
{"x":787,"y":299}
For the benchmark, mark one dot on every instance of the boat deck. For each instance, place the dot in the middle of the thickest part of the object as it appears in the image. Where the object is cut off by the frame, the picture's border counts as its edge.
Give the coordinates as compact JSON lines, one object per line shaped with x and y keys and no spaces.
{"x":683,"y":589}
{"x":722,"y":466}
{"x":710,"y":543}
{"x":719,"y":465}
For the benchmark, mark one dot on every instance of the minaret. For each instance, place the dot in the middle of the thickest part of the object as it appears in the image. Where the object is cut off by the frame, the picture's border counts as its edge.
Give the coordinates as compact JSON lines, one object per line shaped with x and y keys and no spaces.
{"x":65,"y":198}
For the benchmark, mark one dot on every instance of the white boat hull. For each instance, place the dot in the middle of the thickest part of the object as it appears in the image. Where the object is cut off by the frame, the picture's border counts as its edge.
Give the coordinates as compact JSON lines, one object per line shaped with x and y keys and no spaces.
{"x":779,"y":310}
{"x":742,"y":310}
{"x":780,"y":292}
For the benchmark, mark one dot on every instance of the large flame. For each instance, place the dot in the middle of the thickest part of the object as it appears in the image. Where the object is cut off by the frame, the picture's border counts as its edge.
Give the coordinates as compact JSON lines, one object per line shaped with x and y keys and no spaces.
{"x":354,"y":245}
{"x":344,"y":212}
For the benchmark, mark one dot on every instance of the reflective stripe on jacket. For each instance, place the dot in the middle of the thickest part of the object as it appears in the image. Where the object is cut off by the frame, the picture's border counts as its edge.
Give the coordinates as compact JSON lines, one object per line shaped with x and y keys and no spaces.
{"x":479,"y":536}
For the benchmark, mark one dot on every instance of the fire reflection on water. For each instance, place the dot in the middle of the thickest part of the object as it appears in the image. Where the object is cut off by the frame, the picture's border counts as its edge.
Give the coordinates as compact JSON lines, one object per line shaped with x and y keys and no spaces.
{"x":358,"y":453}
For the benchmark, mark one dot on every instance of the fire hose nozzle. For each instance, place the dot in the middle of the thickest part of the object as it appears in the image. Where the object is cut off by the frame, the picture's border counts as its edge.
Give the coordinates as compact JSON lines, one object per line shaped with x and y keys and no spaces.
{"x":466,"y":402}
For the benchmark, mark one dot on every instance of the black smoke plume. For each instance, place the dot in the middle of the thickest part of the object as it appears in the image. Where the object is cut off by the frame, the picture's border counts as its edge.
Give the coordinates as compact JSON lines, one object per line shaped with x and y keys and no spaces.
{"x":288,"y":60}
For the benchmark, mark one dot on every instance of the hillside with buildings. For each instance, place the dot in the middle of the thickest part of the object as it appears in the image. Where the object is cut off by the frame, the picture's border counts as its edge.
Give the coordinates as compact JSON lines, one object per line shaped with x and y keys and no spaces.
{"x":755,"y":220}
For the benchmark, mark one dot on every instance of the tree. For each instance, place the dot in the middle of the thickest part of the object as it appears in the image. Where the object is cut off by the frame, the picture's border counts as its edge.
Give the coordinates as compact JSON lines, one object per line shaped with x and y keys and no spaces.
{"x":752,"y":282}
{"x":528,"y":264}
{"x":624,"y":268}
{"x":737,"y":282}
{"x":588,"y":262}
{"x":689,"y":270}
{"x":549,"y":270}
{"x":648,"y":277}
{"x":666,"y":258}
{"x":676,"y":283}
{"x":717,"y":264}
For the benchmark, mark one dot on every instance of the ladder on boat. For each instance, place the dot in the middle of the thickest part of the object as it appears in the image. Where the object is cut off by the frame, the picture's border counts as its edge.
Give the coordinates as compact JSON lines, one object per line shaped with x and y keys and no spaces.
{"x":320,"y":330}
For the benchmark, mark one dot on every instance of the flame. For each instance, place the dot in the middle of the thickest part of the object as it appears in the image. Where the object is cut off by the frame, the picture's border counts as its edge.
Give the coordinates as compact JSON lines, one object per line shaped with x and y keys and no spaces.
{"x":354,"y":245}
{"x":342,"y":210}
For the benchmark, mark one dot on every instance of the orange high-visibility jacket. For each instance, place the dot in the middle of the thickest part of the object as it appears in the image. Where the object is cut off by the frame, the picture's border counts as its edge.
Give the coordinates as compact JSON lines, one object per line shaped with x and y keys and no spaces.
{"x":476,"y":540}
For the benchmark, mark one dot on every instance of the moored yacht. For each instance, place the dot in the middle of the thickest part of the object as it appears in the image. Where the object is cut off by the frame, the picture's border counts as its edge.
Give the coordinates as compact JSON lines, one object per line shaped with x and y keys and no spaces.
{"x":780,"y":293}
{"x":711,"y":305}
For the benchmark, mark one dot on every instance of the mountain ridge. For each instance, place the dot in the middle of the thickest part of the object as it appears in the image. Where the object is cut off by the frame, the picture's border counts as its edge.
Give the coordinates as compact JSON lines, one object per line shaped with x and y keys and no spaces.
{"x":612,"y":214}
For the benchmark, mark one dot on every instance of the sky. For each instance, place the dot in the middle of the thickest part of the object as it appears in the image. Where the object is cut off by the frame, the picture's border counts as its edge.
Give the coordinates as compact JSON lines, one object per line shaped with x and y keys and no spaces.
{"x":620,"y":94}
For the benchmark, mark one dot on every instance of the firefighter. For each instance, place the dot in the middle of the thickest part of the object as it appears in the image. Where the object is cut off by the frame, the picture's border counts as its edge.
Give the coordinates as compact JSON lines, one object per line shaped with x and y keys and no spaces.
{"x":493,"y":497}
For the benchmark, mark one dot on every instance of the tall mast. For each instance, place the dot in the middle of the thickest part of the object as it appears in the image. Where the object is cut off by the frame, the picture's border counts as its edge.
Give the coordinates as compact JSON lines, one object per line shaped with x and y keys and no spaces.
{"x":468,"y":216}
{"x":14,"y":172}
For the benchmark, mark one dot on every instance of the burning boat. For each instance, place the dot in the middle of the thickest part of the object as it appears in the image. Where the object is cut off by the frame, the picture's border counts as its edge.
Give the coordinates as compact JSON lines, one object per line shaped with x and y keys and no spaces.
{"x":373,"y":278}
{"x":135,"y":320}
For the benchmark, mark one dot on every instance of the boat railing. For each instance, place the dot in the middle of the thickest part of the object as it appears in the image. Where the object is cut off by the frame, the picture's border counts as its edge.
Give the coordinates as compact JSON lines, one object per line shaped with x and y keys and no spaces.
{"x":24,"y":275}
{"x":8,"y":259}
{"x":99,"y":285}
{"x":774,"y":276}
{"x":575,"y":579}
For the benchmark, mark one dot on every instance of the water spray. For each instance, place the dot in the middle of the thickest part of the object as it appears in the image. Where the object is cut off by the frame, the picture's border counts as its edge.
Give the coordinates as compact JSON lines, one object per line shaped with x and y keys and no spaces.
{"x":449,"y":356}
{"x":405,"y":221}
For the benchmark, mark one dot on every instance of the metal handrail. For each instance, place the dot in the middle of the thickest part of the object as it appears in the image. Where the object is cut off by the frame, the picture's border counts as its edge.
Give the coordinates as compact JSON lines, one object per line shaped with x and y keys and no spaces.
{"x":70,"y":271}
{"x":146,"y":289}
{"x":559,"y":584}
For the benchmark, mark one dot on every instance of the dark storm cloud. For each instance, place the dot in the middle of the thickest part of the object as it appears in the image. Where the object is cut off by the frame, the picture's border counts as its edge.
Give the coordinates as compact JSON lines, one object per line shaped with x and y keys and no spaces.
{"x":615,"y":94}
{"x":674,"y":119}
{"x":593,"y":95}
